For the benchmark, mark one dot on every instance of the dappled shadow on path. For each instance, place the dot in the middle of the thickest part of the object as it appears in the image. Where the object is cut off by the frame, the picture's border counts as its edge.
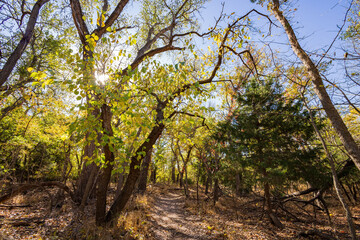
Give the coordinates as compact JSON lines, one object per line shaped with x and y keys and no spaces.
{"x":171,"y":221}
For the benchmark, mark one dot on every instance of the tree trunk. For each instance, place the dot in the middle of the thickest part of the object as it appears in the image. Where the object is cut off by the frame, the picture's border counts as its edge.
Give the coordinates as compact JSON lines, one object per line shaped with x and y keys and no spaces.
{"x":216,"y":190}
{"x":238,"y":178}
{"x":267,"y":197}
{"x":268,"y":207}
{"x":208,"y":183}
{"x":144,"y":172}
{"x":20,"y":48}
{"x":335,"y":178}
{"x":341,"y":129}
{"x":134,"y":172}
{"x":120,"y":183}
{"x":123,"y":175}
{"x":181,"y":181}
{"x":153,"y":174}
{"x":173,"y":179}
{"x":89,"y":186}
{"x":87,"y":178}
{"x":59,"y":197}
{"x":105,"y":176}
{"x":186,"y":188}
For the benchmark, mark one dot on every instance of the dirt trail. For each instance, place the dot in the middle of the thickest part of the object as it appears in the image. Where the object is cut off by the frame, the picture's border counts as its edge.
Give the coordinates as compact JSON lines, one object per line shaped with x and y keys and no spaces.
{"x":171,"y":221}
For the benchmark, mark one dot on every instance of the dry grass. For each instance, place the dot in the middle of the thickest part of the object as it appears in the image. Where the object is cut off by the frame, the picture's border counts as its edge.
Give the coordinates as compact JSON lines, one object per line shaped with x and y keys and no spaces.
{"x":230,"y":218}
{"x":243,"y":218}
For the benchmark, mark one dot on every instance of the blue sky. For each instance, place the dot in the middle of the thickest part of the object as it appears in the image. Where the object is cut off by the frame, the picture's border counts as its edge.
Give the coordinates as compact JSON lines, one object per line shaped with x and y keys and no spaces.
{"x":317,"y":20}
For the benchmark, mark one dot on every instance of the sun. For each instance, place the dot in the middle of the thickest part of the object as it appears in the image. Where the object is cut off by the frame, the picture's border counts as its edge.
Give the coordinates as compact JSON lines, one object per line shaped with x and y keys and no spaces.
{"x":101,"y":78}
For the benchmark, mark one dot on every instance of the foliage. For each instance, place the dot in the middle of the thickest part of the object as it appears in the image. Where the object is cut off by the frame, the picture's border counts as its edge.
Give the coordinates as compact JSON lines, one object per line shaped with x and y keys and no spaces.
{"x":270,"y":135}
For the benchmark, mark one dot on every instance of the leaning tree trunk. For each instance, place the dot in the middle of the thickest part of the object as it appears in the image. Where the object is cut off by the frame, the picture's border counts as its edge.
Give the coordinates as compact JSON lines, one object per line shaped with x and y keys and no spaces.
{"x":20,"y":48}
{"x":134,"y":173}
{"x":337,"y":184}
{"x":122,"y":175}
{"x":144,"y":172}
{"x":173,"y":177}
{"x":341,"y":129}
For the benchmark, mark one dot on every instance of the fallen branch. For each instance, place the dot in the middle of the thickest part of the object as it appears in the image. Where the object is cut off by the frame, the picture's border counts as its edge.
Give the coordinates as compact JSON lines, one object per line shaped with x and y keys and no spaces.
{"x":24,"y":221}
{"x":14,"y":206}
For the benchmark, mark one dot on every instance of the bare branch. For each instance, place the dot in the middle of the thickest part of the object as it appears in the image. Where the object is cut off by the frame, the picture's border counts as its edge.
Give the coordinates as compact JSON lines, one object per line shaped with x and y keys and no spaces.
{"x":16,"y":54}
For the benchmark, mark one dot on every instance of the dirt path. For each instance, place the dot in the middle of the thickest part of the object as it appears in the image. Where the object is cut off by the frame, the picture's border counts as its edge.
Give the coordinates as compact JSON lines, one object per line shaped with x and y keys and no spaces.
{"x":171,"y":221}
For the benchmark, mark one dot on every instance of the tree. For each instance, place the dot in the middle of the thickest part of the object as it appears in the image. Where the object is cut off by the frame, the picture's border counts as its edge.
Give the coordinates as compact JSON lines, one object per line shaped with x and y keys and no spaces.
{"x":319,"y":87}
{"x":270,"y":134}
{"x":21,"y":46}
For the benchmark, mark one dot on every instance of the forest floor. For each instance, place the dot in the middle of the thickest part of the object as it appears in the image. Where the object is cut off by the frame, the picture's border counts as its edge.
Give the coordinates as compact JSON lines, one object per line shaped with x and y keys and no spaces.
{"x":164,"y":213}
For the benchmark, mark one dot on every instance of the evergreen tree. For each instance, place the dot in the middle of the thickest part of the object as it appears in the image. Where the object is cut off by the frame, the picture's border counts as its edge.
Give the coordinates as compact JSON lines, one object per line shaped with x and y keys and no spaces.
{"x":270,"y":135}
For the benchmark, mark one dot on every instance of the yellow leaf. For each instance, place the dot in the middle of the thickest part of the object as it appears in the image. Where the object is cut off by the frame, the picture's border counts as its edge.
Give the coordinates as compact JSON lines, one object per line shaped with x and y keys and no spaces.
{"x":84,"y":18}
{"x":30,"y":69}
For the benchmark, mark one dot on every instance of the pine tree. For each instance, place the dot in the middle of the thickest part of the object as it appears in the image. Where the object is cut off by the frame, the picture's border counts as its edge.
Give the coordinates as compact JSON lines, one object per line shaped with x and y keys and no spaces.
{"x":269,"y":134}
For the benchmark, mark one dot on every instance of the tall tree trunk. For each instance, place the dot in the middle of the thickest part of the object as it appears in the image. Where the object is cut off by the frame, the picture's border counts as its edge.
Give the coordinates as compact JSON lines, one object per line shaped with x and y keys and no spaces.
{"x":59,"y":197}
{"x":134,"y":172}
{"x":120,"y":183}
{"x":181,"y":179}
{"x":186,"y":187}
{"x":208,"y":183}
{"x":105,"y":176}
{"x":216,"y":190}
{"x":335,"y":178}
{"x":238,"y":178}
{"x":153,"y":174}
{"x":87,"y":177}
{"x":173,"y":179}
{"x":144,"y":172}
{"x":341,"y":129}
{"x":86,"y":181}
{"x":89,"y":186}
{"x":123,"y":175}
{"x":267,"y":197}
{"x":20,"y":48}
{"x":268,"y":206}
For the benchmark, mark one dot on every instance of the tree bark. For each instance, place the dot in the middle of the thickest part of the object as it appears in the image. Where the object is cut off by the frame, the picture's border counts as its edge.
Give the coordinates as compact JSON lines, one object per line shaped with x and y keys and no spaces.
{"x":238,"y":183}
{"x":208,"y":183}
{"x":125,"y":164}
{"x":153,"y":174}
{"x":337,"y":184}
{"x":103,"y":183}
{"x":216,"y":190}
{"x":87,"y":178}
{"x":134,"y":172}
{"x":144,"y":172}
{"x":19,"y":50}
{"x":173,"y":177}
{"x":341,"y":129}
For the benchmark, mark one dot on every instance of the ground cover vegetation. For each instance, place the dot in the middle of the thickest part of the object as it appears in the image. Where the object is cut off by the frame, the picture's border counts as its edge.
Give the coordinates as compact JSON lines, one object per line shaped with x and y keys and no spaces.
{"x":138,"y":120}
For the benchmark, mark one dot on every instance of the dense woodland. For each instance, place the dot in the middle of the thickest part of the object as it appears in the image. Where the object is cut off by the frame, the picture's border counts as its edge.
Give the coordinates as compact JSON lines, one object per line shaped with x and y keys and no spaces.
{"x":113,"y":110}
